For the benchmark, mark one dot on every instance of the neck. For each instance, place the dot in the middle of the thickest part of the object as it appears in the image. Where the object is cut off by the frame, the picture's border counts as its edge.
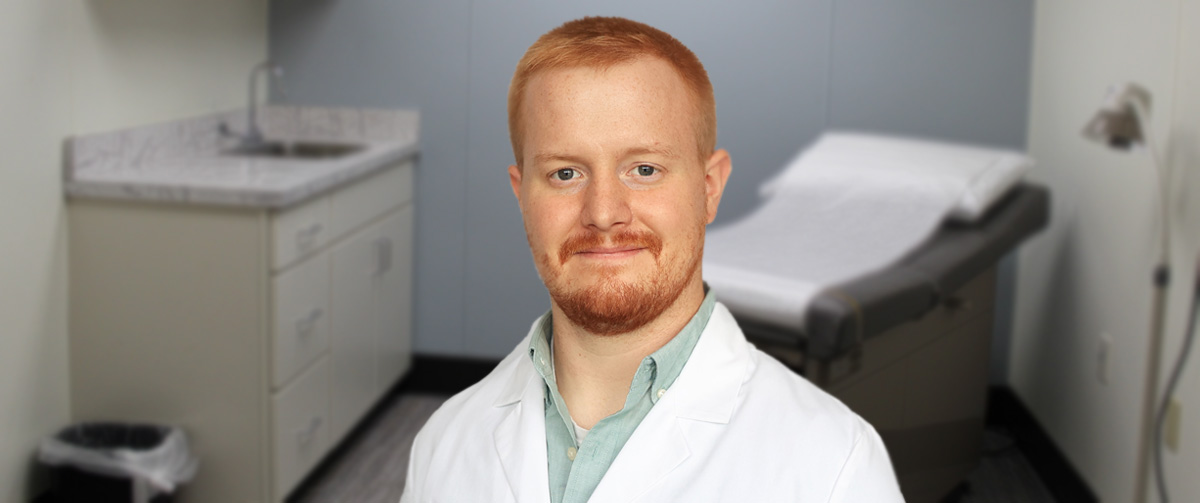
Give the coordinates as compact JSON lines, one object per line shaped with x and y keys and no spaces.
{"x":594,"y":372}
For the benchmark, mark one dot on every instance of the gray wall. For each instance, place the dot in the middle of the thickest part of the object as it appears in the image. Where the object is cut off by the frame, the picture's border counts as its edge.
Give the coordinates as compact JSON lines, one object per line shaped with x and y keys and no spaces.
{"x":783,"y":71}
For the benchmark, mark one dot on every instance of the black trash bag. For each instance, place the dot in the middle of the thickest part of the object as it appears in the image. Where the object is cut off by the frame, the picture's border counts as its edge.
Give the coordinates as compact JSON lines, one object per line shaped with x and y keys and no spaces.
{"x":150,"y":460}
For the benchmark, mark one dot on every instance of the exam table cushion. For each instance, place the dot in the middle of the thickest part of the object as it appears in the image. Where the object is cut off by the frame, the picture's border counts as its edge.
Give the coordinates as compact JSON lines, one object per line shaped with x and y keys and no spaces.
{"x":850,"y":205}
{"x":958,"y":252}
{"x":980,"y":175}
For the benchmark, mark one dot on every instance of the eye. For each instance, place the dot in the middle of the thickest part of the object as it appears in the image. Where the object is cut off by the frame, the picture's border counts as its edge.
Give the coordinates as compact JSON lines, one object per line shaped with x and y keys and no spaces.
{"x":645,"y":170}
{"x":566,"y":174}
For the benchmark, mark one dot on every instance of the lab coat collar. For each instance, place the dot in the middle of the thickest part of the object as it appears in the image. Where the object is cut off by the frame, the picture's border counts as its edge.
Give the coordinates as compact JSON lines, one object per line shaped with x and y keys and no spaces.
{"x":522,"y":376}
{"x":708,"y":386}
{"x":520,"y":436}
{"x":706,"y":390}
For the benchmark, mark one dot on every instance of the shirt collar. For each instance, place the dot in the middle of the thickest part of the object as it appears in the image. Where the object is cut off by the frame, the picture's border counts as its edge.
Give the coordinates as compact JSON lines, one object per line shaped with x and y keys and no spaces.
{"x":670,"y":359}
{"x":539,"y":347}
{"x":664,"y":365}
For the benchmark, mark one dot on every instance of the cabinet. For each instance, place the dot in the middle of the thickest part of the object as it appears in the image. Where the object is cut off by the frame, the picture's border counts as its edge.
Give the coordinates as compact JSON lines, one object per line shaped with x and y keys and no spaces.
{"x":370,"y":306}
{"x":267,"y":335}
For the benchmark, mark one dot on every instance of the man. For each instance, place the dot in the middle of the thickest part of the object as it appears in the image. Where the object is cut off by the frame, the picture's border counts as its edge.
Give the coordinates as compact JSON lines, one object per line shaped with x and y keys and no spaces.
{"x":636,"y":385}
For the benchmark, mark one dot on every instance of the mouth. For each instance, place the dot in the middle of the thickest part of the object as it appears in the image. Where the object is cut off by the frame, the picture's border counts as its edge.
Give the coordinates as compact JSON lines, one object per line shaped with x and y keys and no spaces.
{"x":610,"y":249}
{"x":616,"y":252}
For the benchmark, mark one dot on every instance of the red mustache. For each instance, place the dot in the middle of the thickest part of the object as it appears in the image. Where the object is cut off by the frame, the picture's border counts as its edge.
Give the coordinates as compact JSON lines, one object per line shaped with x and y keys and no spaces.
{"x":578,"y":243}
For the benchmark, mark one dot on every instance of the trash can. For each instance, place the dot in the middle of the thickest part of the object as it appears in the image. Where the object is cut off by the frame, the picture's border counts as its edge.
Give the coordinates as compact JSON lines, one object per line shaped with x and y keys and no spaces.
{"x":116,"y":462}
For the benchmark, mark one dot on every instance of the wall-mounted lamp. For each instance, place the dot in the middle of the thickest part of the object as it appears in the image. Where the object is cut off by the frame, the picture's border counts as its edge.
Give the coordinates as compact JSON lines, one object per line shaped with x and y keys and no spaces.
{"x":1123,"y":122}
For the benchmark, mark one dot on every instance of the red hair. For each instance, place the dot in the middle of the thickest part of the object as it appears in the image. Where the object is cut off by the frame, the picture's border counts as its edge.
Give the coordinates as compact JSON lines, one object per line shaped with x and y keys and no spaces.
{"x":604,"y":42}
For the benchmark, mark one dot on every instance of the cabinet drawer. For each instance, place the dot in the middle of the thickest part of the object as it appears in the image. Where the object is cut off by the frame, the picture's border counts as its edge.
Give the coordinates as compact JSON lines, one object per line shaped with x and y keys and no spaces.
{"x":301,"y":318}
{"x":298,"y":231}
{"x":301,"y":421}
{"x":368,"y":198}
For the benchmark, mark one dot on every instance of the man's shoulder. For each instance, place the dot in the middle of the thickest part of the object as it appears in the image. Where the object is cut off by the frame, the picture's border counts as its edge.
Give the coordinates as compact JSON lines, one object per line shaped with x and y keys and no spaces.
{"x":775,"y":397}
{"x":458,"y":439}
{"x":472,"y":405}
{"x":832,"y":441}
{"x":778,"y":392}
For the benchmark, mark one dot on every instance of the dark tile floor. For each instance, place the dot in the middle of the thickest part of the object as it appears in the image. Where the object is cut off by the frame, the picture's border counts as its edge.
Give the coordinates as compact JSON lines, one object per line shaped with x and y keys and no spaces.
{"x":371,"y":467}
{"x":1004,"y":475}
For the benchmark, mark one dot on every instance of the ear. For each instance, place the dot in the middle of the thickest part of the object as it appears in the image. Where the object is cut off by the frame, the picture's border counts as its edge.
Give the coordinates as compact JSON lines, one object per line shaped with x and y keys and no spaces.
{"x":514,"y":177}
{"x":716,"y":173}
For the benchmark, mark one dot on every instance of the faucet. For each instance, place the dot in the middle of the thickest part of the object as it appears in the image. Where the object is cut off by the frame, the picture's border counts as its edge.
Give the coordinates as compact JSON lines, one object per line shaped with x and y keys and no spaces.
{"x":253,"y":136}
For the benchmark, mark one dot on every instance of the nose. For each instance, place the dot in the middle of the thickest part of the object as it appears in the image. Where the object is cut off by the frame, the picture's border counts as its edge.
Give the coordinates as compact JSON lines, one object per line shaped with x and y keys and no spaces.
{"x":606,"y":204}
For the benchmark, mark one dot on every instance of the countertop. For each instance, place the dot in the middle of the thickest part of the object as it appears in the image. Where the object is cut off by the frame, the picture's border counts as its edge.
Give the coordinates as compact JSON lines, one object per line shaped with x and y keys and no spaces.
{"x":182,"y":161}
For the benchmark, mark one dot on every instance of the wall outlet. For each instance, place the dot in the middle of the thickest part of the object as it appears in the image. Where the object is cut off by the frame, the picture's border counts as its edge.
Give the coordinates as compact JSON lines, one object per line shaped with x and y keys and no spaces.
{"x":1172,"y":424}
{"x":1103,"y":358}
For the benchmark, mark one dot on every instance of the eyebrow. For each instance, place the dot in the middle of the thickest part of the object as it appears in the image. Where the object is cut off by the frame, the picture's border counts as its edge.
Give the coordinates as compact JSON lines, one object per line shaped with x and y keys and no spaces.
{"x":550,"y":157}
{"x":660,"y":151}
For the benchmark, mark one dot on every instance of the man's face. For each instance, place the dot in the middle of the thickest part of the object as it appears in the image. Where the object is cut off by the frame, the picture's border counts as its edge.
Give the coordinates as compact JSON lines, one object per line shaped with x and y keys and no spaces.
{"x":613,"y":195}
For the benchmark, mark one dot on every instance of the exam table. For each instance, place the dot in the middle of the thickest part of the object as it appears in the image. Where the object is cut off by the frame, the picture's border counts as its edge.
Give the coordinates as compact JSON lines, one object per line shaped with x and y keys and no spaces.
{"x":907,"y":347}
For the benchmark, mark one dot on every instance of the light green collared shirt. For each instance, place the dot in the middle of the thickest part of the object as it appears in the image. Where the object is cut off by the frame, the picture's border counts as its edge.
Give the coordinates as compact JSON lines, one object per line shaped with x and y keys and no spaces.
{"x":576,"y":468}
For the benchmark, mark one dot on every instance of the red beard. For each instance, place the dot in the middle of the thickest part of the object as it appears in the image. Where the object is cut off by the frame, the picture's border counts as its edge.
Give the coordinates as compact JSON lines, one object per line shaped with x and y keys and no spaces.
{"x":611,"y":306}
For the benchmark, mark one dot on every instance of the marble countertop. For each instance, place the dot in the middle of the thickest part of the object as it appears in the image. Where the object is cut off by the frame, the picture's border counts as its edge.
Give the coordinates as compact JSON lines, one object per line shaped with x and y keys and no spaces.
{"x":183,"y":161}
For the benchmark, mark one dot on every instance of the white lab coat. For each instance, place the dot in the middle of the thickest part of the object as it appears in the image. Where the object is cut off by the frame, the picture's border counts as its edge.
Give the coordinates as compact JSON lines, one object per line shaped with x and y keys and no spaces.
{"x":736,"y":426}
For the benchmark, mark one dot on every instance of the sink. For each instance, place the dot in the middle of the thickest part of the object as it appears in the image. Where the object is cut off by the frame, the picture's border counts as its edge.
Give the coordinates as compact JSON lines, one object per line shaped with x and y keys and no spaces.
{"x":296,"y":150}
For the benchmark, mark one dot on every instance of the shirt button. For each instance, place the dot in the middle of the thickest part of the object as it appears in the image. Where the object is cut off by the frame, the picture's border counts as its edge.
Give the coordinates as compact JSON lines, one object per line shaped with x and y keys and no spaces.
{"x":662,"y":392}
{"x":571,"y":452}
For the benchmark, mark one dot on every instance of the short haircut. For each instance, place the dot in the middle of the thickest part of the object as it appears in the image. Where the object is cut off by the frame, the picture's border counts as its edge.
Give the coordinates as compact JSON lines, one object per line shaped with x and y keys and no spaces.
{"x":604,"y":42}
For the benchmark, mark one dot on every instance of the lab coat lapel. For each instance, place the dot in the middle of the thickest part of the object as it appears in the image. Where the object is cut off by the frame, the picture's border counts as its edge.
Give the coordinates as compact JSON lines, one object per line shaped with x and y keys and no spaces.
{"x":656,"y":449}
{"x":708,"y":386}
{"x":705,"y":391}
{"x":520,"y":436}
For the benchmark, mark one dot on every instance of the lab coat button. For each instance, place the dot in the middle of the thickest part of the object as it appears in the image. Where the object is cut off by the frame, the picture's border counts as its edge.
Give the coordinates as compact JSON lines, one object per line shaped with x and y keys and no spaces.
{"x":662,"y":392}
{"x":571,"y":453}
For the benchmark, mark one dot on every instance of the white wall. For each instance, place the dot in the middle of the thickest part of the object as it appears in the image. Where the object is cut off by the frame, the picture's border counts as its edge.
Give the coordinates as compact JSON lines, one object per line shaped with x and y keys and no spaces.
{"x":71,"y":67}
{"x":135,"y":62}
{"x":33,"y":324}
{"x":1088,"y":276}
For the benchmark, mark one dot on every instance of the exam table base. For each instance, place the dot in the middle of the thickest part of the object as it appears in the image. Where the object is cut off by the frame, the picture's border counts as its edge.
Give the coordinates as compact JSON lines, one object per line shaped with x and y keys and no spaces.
{"x":922,"y":385}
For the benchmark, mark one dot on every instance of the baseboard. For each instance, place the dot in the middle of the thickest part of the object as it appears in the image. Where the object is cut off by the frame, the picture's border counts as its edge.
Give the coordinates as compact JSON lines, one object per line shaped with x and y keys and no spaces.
{"x":444,"y":374}
{"x":1061,"y":479}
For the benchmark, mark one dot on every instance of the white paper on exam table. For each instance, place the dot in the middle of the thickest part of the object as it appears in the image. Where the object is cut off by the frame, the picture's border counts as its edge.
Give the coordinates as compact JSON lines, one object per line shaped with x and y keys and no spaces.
{"x":848,"y":206}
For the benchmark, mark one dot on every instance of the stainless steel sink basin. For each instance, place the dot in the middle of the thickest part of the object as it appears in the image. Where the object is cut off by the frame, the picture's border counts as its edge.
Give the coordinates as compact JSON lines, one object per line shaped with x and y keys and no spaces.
{"x":296,"y":150}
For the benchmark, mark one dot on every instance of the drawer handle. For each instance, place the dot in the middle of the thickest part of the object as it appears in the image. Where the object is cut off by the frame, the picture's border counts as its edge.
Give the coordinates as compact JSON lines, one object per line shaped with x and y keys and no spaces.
{"x":305,"y":435}
{"x":305,"y":326}
{"x":383,"y":250}
{"x":307,"y":237}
